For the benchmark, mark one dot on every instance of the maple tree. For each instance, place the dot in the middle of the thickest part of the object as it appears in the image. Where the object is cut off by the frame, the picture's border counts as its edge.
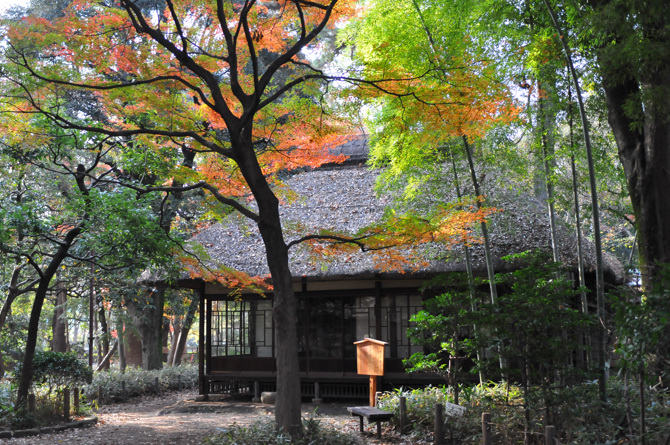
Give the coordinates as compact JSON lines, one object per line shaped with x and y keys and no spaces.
{"x":224,"y":79}
{"x":227,"y":81}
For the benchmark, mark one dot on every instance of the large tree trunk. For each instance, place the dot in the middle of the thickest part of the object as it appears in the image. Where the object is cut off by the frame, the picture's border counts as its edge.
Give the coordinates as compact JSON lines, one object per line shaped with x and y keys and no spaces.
{"x":27,"y":371}
{"x":645,"y":156}
{"x":59,"y":343}
{"x":186,"y":325}
{"x":133,"y":348}
{"x":287,"y":408}
{"x":147,"y":317}
{"x":636,"y":89}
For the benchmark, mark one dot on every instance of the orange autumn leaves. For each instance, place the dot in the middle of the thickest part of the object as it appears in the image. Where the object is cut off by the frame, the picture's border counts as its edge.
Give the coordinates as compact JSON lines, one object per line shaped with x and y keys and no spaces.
{"x":171,"y":101}
{"x":403,"y":242}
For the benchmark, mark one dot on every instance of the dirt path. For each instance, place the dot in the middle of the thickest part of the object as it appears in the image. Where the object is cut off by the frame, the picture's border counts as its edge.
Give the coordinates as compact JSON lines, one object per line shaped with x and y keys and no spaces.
{"x":175,"y":419}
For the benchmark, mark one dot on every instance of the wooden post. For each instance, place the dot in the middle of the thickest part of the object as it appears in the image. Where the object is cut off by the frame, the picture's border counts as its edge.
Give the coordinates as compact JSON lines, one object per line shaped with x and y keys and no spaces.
{"x":178,"y":382}
{"x":66,"y":403}
{"x":549,"y":435}
{"x":486,"y":429}
{"x":373,"y":389}
{"x":203,"y":385}
{"x":257,"y":392}
{"x":99,"y":395}
{"x":157,"y":387}
{"x":75,"y":400}
{"x":317,"y":393}
{"x":439,"y":424}
{"x":31,"y":403}
{"x":123,"y":390}
{"x":402,"y":420}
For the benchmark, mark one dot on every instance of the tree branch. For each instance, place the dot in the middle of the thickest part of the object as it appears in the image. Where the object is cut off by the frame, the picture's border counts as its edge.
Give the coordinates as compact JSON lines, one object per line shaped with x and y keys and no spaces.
{"x":336,"y":239}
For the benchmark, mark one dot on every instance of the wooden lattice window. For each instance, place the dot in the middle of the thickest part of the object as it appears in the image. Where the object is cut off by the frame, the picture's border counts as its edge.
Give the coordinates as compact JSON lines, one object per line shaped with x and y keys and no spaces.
{"x":231,"y":328}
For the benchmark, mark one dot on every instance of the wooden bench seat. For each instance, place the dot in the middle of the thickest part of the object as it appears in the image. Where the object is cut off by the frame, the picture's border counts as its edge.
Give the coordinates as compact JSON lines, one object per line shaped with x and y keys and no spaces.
{"x":372,"y":414}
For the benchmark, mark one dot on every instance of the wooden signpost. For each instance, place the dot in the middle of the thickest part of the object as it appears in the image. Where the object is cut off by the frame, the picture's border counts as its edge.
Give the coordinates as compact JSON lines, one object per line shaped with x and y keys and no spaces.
{"x":370,"y":357}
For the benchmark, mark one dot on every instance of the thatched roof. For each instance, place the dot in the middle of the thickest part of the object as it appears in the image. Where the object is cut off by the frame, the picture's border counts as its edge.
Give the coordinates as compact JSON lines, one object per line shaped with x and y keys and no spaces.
{"x":344,"y":199}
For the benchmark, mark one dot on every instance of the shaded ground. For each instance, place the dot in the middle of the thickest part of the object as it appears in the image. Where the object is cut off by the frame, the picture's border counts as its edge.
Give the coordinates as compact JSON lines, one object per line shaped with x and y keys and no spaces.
{"x":176,"y":419}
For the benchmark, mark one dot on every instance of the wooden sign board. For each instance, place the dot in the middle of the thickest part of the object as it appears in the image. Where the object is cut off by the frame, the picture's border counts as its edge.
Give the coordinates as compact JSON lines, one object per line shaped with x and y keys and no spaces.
{"x":370,"y":356}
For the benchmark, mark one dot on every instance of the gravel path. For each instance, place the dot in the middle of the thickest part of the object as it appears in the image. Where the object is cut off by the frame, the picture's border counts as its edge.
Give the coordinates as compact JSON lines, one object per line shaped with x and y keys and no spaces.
{"x":176,"y":419}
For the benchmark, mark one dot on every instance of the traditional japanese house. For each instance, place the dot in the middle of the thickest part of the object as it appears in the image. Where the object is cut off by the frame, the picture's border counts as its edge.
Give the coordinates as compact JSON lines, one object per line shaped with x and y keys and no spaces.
{"x":342,"y":300}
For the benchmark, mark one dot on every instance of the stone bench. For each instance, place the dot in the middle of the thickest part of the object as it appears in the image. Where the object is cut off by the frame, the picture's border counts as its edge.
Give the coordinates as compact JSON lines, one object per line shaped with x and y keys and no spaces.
{"x":372,"y":414}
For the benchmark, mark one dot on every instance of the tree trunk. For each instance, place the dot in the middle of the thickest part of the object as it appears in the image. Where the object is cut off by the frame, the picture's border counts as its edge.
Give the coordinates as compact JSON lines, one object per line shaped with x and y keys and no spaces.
{"x":104,"y":337}
{"x":468,"y":270}
{"x":174,"y":338}
{"x":122,"y":346}
{"x":104,"y":363}
{"x":59,"y":343}
{"x":189,"y":318}
{"x":287,"y":408}
{"x":585,"y":337}
{"x":603,"y":363}
{"x":547,"y":143}
{"x":26,"y":376}
{"x":12,"y":293}
{"x":165,"y":337}
{"x":147,"y":317}
{"x":487,"y":243}
{"x":636,"y":86}
{"x":133,"y":348}
{"x":646,"y":160}
{"x":485,"y":233}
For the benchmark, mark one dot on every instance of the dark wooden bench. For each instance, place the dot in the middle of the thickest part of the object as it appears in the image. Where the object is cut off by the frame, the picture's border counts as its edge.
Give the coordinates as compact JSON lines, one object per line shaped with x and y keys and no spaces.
{"x":372,"y":414}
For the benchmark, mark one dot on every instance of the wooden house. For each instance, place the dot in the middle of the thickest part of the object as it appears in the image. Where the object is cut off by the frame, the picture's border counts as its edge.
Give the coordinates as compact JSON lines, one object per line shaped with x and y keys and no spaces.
{"x":341,"y":301}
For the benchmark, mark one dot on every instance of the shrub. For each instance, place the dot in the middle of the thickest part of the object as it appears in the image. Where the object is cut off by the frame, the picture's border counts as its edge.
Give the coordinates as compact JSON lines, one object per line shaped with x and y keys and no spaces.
{"x":52,"y":373}
{"x":264,"y":432}
{"x":57,"y":370}
{"x":580,"y":417}
{"x":140,"y":382}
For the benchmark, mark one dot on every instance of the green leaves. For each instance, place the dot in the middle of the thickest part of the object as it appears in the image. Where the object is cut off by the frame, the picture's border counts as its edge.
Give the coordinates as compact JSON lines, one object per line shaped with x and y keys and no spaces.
{"x":642,"y":325}
{"x":58,"y":370}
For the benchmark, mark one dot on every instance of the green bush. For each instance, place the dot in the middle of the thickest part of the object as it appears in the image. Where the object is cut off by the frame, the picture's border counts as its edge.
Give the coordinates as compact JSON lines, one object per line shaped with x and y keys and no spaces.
{"x":52,"y":373}
{"x":420,"y":404}
{"x":140,"y":382}
{"x":580,"y":417}
{"x":57,"y":370}
{"x":264,"y":432}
